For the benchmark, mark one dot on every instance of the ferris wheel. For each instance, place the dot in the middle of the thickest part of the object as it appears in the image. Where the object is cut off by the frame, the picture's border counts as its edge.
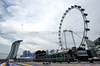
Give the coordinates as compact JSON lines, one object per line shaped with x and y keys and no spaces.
{"x":73,"y":27}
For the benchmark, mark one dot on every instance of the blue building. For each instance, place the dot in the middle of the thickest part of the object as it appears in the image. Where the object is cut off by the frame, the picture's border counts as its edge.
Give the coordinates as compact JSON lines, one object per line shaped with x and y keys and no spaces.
{"x":33,"y":55}
{"x":47,"y":52}
{"x":52,"y":52}
{"x":29,"y":53}
{"x":25,"y":54}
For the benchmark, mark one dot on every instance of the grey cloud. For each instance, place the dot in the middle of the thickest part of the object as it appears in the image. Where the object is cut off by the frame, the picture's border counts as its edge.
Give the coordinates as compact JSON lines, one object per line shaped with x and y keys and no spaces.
{"x":45,"y":15}
{"x":4,"y":14}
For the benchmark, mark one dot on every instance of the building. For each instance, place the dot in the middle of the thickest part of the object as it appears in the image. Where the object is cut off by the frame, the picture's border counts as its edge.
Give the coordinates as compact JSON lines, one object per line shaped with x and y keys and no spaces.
{"x":25,"y":54}
{"x":52,"y":52}
{"x":97,"y":41}
{"x":47,"y":52}
{"x":29,"y":53}
{"x":14,"y":50}
{"x":33,"y":55}
{"x":98,"y":54}
{"x":57,"y":51}
{"x":90,"y":43}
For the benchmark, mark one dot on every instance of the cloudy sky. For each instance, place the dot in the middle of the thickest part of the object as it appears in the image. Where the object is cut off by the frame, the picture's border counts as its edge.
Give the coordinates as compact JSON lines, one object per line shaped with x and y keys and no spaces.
{"x":37,"y":21}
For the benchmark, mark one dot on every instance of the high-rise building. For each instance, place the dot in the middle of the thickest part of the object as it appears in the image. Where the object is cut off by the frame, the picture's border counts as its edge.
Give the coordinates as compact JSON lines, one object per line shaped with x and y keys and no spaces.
{"x":57,"y":51}
{"x":52,"y":51}
{"x":33,"y":55}
{"x":25,"y":54}
{"x":47,"y":52}
{"x":29,"y":53}
{"x":14,"y":49}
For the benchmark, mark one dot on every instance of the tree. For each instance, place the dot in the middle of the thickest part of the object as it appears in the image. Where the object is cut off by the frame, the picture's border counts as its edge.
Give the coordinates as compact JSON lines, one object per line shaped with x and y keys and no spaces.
{"x":89,"y":53}
{"x":43,"y":53}
{"x":40,"y":53}
{"x":70,"y":52}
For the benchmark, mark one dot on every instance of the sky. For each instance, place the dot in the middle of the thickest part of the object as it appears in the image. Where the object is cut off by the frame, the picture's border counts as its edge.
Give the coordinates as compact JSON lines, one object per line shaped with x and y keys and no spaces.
{"x":36,"y":22}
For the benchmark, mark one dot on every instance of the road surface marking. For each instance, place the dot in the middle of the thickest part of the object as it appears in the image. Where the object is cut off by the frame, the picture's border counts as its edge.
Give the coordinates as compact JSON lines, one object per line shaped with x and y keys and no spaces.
{"x":22,"y":64}
{"x":3,"y":64}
